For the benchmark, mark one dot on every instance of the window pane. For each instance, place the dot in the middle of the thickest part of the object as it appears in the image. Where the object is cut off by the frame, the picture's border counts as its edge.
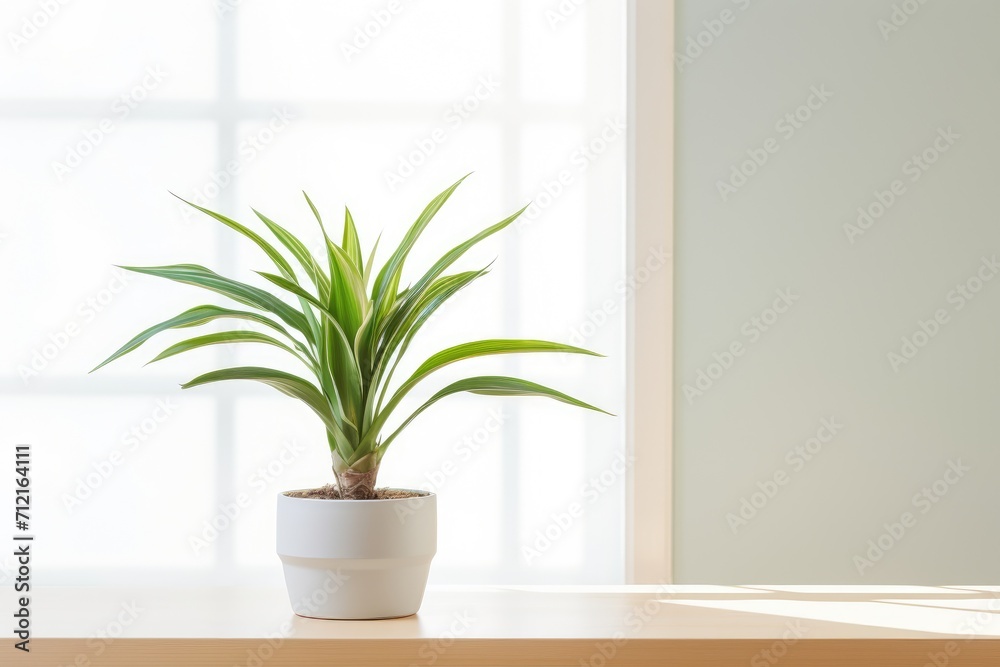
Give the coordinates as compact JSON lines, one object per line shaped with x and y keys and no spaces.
{"x":117,"y":484}
{"x":553,"y":44}
{"x":69,"y":228}
{"x":107,"y":49}
{"x":371,"y":50}
{"x":445,"y":88}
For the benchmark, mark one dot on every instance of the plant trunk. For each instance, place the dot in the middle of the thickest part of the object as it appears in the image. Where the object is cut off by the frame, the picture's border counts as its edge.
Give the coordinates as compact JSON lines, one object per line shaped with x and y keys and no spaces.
{"x":356,"y":482}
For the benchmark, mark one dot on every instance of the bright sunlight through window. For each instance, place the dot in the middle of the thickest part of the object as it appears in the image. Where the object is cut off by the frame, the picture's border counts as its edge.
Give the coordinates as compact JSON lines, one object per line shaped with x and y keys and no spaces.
{"x":378,"y":107}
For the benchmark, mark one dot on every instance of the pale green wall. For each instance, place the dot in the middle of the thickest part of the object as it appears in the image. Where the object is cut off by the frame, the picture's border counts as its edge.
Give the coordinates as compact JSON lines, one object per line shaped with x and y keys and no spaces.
{"x":827,"y":356}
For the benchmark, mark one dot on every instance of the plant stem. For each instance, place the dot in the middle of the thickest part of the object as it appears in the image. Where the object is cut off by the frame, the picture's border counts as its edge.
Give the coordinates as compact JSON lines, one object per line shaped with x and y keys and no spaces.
{"x":356,"y":482}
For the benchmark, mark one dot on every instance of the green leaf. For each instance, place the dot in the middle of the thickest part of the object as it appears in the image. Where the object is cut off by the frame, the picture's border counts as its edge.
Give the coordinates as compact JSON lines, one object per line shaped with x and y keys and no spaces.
{"x":482,"y":348}
{"x":348,"y":301}
{"x":439,"y":267}
{"x":351,"y":244}
{"x":337,"y":356}
{"x":498,"y":385}
{"x":490,"y":385}
{"x":387,"y":281}
{"x":472,"y":350}
{"x":384,"y":306}
{"x":405,"y":326}
{"x":339,"y":373}
{"x":442,"y":290}
{"x":191,"y":318}
{"x":288,"y":384}
{"x":362,"y":352}
{"x":292,"y":288}
{"x":371,"y":262}
{"x":223,"y":338}
{"x":313,"y":208}
{"x":301,"y":253}
{"x":268,"y":249}
{"x":199,"y":276}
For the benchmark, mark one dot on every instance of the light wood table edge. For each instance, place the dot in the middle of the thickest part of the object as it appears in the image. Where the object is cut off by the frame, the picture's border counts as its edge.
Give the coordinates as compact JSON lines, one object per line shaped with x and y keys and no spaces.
{"x":497,"y":652}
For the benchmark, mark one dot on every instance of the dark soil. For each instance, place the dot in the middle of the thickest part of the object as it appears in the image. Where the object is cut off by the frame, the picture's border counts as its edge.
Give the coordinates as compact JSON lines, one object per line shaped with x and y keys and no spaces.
{"x":330,"y":492}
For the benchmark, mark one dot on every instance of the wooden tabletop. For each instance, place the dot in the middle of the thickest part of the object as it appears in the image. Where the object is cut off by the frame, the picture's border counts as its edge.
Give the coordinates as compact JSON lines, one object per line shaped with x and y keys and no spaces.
{"x":636,"y":626}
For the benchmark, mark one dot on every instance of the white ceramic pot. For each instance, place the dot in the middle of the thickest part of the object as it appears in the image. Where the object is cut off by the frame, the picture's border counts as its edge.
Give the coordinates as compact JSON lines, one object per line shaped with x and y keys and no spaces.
{"x":356,"y":559}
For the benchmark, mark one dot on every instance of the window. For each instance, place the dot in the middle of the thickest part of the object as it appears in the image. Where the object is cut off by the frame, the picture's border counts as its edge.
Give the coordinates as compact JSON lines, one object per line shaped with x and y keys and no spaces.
{"x":104,"y":106}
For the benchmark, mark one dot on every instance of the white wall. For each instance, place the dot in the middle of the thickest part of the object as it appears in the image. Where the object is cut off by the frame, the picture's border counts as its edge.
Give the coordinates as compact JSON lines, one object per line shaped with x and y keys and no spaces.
{"x":902,"y":423}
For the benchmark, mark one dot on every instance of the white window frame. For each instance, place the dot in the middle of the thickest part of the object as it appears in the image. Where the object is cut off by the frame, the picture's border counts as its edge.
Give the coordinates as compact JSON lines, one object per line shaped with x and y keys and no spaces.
{"x":649,"y":324}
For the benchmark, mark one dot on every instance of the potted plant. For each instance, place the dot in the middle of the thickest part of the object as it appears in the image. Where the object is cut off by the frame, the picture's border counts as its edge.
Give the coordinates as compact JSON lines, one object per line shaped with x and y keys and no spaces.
{"x":349,"y":329}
